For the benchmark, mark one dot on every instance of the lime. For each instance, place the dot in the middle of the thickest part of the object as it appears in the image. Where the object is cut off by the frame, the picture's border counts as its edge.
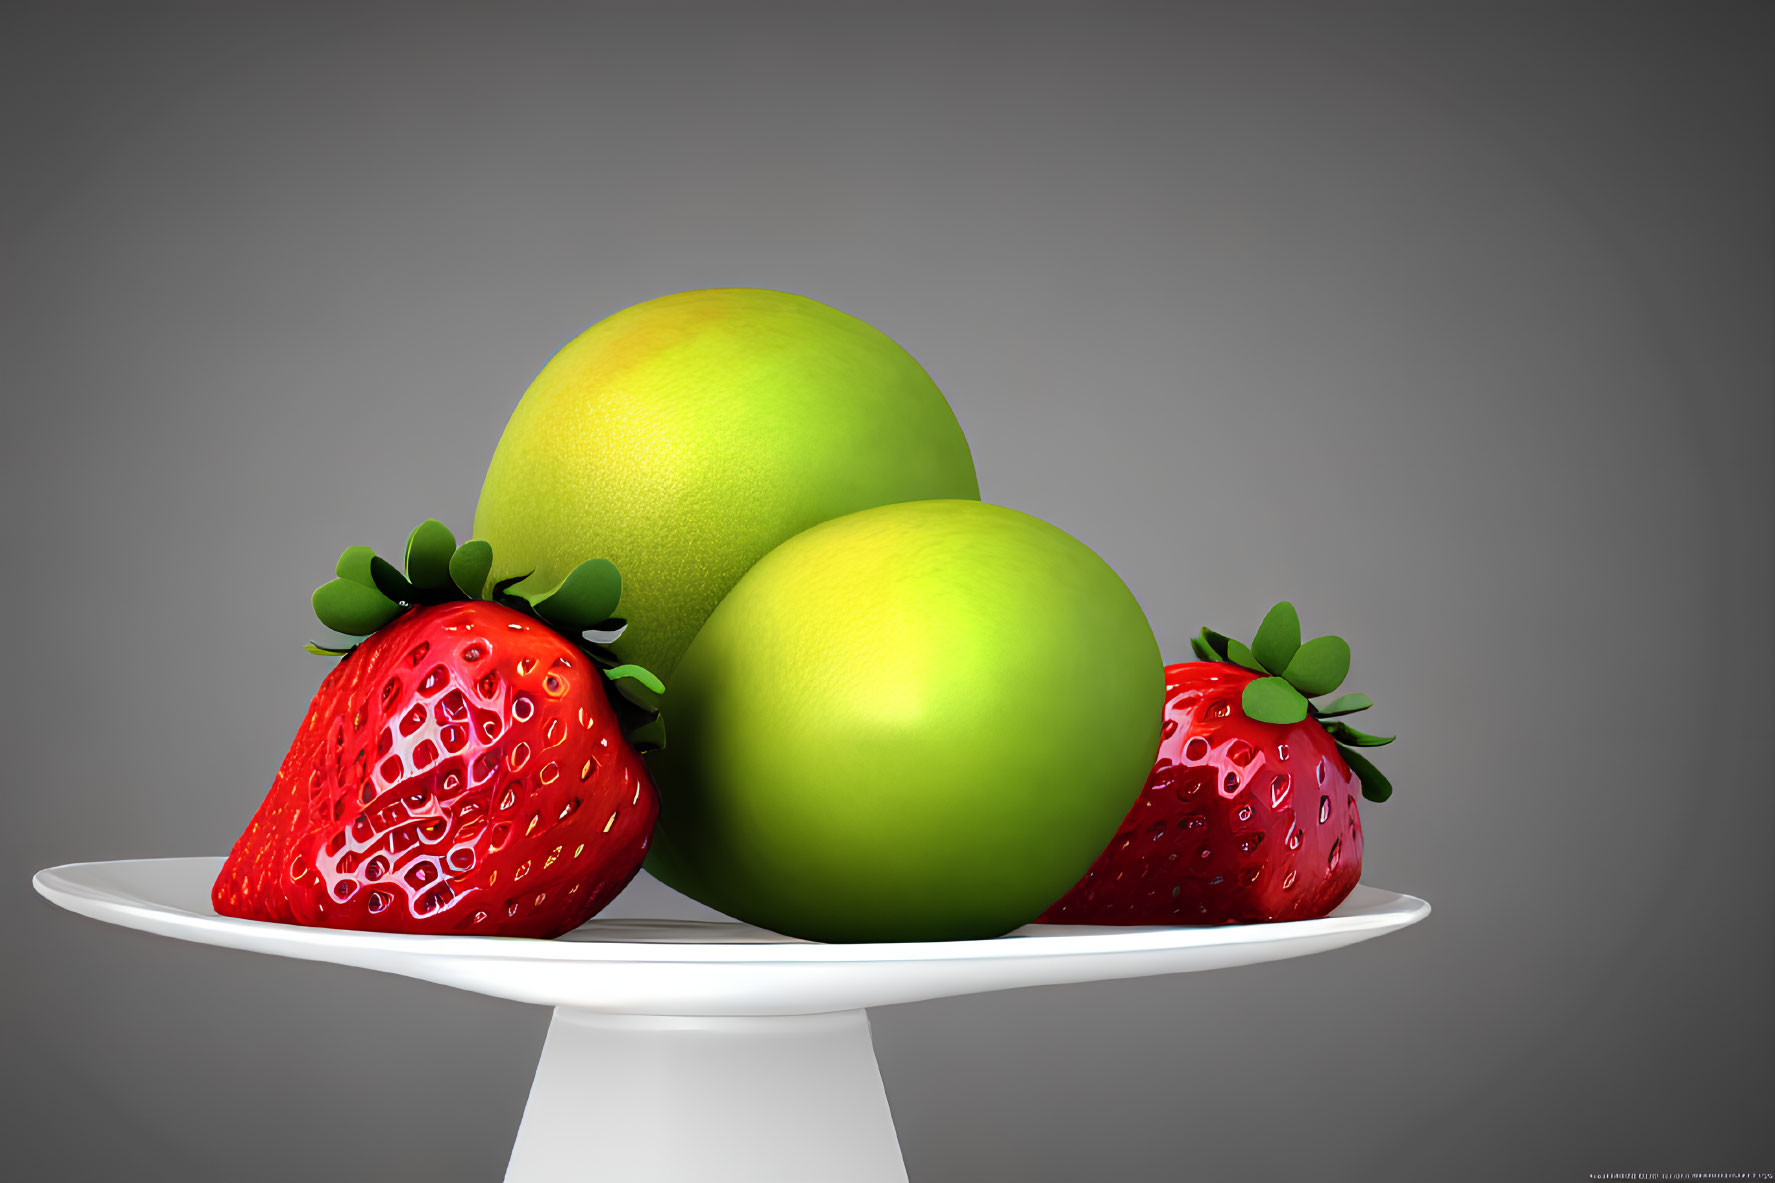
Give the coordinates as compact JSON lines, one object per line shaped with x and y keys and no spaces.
{"x":922,"y":721}
{"x":685,"y":437}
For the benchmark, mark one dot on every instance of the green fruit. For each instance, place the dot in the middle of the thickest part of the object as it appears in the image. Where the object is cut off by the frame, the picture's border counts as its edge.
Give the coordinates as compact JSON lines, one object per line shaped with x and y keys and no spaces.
{"x":685,"y":437}
{"x":917,"y":722}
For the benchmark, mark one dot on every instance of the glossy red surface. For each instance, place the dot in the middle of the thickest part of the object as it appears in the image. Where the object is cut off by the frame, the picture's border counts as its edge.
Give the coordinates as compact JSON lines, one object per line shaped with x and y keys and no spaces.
{"x":1239,"y":821}
{"x":461,"y":771}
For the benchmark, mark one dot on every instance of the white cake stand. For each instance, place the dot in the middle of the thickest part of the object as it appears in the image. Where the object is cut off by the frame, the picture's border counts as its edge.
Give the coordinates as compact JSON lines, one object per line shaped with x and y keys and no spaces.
{"x":703,"y":1050}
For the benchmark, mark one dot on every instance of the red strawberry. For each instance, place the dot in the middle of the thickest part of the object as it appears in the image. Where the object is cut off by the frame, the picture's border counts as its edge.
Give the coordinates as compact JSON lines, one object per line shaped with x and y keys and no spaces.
{"x":462,"y":770}
{"x":1250,"y":811}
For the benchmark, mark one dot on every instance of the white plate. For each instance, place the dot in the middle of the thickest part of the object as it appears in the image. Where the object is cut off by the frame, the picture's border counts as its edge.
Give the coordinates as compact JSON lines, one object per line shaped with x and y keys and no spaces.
{"x":688,"y":1050}
{"x":685,"y":967}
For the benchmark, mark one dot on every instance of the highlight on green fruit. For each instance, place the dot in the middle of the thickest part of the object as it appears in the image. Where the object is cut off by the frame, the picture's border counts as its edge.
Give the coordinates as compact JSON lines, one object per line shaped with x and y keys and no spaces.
{"x":685,"y":437}
{"x":1299,"y":671}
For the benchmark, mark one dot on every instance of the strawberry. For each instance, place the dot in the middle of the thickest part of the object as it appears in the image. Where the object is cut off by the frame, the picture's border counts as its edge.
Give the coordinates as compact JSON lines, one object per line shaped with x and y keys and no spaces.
{"x":464,"y":768}
{"x":1250,"y":812}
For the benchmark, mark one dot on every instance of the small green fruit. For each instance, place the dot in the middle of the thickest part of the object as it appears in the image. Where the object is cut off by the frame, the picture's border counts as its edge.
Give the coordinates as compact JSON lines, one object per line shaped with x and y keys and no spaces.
{"x":918,"y":722}
{"x":685,"y":437}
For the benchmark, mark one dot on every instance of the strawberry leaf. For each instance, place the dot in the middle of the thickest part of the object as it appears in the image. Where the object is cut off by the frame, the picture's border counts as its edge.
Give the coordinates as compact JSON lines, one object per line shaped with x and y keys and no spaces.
{"x":352,"y":608}
{"x":1344,"y":704}
{"x":509,"y":587}
{"x":1217,"y":643}
{"x":1200,"y":648}
{"x":637,"y":685}
{"x":647,"y":737}
{"x":354,"y":564}
{"x":1319,"y":666}
{"x":320,"y":650}
{"x":643,"y":676}
{"x":1273,"y":700}
{"x":1350,"y":737}
{"x":1277,"y":638}
{"x":363,"y":566}
{"x":1238,"y":654}
{"x":469,"y":566}
{"x":588,"y":595}
{"x":429,"y":550}
{"x":390,"y":582}
{"x":1375,"y":787}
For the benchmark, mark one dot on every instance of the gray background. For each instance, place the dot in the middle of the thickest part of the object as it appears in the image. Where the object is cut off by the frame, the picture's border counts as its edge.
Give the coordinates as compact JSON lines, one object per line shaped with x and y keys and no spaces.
{"x":1453,"y":324}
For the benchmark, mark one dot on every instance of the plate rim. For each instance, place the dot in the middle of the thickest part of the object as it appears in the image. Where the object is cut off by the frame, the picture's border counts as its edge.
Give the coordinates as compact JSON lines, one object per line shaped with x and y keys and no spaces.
{"x":61,"y":885}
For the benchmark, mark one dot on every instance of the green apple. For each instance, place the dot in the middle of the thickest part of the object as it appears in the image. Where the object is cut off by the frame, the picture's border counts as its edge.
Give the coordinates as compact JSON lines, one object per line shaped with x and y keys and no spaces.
{"x":685,"y":437}
{"x":918,"y":722}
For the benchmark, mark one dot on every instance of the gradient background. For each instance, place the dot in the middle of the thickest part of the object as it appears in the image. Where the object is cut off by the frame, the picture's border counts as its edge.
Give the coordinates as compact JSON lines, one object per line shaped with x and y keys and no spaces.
{"x":1452,"y":324}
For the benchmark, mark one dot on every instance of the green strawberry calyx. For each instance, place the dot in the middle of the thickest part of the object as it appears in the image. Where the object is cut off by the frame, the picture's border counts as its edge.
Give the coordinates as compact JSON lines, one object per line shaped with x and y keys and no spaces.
{"x":1296,"y":672}
{"x":369,"y":592}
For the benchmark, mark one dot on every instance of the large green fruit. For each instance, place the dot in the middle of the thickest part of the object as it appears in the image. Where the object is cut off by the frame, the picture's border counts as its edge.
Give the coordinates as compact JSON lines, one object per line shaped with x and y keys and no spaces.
{"x":685,"y":437}
{"x":918,"y":722}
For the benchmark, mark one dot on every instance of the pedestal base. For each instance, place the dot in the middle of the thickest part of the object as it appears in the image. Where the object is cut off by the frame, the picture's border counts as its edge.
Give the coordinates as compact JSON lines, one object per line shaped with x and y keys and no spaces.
{"x":768,"y":1073}
{"x":780,"y":1099}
